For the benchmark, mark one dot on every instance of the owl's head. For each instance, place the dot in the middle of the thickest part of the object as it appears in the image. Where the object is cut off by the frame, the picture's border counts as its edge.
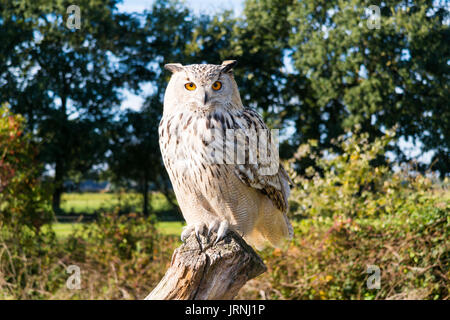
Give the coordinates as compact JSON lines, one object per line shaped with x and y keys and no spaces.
{"x":202,"y":86}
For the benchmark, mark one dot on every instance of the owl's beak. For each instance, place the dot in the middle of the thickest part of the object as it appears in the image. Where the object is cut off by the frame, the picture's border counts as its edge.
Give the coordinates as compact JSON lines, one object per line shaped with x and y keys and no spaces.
{"x":202,"y":96}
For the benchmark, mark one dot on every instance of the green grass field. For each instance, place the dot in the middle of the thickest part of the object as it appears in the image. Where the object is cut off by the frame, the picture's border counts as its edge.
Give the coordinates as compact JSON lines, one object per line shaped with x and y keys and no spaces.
{"x":173,"y":228}
{"x":76,"y":203}
{"x":89,"y":203}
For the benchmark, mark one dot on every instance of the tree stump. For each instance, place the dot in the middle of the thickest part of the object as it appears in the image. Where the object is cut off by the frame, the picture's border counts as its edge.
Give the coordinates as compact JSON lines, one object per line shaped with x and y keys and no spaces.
{"x":209,"y":272}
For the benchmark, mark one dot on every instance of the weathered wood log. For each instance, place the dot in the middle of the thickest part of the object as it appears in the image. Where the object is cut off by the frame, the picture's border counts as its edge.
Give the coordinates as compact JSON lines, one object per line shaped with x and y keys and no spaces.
{"x":213,"y":272}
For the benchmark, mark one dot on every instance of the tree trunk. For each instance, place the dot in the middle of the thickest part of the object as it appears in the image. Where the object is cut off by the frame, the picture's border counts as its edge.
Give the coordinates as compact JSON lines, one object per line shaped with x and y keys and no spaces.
{"x":58,"y":188}
{"x":59,"y":163}
{"x":145,"y":194}
{"x":56,"y":200}
{"x":212,"y":272}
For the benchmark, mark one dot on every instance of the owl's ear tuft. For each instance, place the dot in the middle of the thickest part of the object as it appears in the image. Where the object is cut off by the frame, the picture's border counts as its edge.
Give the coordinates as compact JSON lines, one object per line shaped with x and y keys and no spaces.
{"x":228,"y":65}
{"x":173,"y":67}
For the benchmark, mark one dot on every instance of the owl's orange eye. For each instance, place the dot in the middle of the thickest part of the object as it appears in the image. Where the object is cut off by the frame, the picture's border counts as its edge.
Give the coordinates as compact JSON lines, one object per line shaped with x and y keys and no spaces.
{"x":217,"y":85}
{"x":190,"y":86}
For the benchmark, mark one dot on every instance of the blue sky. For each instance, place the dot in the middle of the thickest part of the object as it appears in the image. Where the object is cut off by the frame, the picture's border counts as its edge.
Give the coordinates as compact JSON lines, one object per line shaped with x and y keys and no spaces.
{"x":198,"y":6}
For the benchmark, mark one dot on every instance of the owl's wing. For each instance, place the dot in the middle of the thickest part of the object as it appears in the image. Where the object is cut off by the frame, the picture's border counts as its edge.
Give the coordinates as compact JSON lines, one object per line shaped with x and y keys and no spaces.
{"x":268,"y":176}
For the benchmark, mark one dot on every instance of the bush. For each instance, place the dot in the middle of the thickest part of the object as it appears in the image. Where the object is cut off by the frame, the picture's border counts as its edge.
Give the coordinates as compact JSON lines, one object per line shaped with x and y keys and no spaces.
{"x":24,"y":200}
{"x":119,"y":256}
{"x":355,"y":183}
{"x":352,"y":212}
{"x":330,"y":260}
{"x":24,"y":208}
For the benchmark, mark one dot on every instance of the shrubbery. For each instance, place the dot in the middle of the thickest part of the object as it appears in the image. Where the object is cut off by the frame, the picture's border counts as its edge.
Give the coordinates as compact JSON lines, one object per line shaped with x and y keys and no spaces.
{"x":352,"y":213}
{"x":23,"y":197}
{"x":355,"y":183}
{"x":329,"y":260}
{"x":119,"y":256}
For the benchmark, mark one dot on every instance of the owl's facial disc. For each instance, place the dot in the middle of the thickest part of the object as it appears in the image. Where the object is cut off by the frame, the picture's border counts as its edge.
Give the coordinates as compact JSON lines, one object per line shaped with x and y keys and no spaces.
{"x":201,"y":87}
{"x":207,"y":94}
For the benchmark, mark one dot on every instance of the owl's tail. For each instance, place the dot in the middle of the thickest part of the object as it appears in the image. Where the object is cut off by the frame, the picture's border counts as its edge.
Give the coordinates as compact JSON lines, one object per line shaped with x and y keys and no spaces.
{"x":273,"y":228}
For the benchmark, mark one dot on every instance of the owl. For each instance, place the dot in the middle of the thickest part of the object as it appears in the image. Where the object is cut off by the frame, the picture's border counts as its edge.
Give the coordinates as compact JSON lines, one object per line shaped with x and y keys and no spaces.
{"x":216,"y":187}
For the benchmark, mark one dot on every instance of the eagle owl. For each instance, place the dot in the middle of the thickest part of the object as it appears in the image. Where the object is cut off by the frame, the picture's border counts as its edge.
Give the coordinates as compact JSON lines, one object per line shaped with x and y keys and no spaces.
{"x":201,"y":105}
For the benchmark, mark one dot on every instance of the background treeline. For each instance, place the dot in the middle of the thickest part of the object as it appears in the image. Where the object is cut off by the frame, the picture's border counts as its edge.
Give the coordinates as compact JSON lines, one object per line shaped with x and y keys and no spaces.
{"x":314,"y":69}
{"x":341,"y":93}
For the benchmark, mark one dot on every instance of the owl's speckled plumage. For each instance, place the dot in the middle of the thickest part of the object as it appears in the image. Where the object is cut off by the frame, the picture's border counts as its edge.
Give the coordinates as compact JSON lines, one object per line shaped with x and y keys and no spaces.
{"x":219,"y":195}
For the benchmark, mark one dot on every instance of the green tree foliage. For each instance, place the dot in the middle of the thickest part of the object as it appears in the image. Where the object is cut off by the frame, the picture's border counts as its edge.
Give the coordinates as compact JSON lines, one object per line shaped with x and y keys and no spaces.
{"x":395,"y":74}
{"x":314,"y":70}
{"x":260,"y":44}
{"x":66,"y":81}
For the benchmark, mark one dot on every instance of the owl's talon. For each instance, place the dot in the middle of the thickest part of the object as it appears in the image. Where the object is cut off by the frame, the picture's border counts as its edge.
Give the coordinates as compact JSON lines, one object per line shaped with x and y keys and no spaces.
{"x":187,"y":230}
{"x":223,"y":229}
{"x":199,"y":229}
{"x":213,"y":226}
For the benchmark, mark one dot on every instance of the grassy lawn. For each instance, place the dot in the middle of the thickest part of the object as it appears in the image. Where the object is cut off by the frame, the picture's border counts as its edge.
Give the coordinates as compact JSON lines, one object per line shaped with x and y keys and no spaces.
{"x":170,"y":227}
{"x":90,"y":202}
{"x":63,"y":230}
